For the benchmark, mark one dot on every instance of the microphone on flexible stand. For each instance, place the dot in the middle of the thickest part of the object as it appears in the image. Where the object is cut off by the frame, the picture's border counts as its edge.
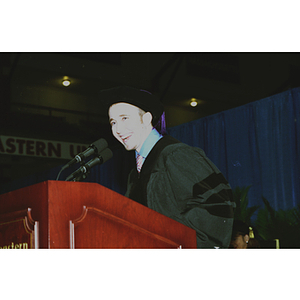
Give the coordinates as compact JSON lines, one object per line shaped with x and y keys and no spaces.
{"x":94,"y":148}
{"x":84,"y":170}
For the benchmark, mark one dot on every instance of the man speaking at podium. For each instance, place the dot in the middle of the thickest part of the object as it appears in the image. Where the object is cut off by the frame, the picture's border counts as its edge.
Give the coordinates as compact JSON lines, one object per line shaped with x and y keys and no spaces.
{"x":172,"y":178}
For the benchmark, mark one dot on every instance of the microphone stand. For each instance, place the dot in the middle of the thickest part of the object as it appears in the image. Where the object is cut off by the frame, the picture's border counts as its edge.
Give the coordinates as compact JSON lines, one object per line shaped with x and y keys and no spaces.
{"x":81,"y":176}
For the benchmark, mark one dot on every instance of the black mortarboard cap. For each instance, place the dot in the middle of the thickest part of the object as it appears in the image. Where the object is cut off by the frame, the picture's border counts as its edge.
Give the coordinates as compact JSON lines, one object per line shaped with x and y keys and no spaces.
{"x":138,"y":97}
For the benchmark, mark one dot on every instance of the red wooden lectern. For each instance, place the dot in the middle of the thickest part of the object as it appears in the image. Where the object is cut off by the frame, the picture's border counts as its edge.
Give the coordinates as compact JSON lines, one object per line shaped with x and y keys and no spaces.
{"x":59,"y":214}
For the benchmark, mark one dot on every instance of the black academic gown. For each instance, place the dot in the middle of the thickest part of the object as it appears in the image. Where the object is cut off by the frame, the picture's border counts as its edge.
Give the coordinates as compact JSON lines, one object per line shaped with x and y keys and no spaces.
{"x":180,"y":182}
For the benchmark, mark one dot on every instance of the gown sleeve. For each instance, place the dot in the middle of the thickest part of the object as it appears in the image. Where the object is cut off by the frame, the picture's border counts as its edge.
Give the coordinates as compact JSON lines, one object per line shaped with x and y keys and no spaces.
{"x":195,"y":190}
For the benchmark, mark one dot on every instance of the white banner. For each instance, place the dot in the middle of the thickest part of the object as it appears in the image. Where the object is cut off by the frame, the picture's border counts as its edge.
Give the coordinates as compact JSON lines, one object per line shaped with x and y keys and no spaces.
{"x":39,"y":148}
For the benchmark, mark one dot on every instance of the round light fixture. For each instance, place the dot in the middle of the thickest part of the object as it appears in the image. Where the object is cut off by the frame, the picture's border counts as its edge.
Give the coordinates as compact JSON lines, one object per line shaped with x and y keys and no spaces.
{"x":66,"y":82}
{"x":193,"y":102}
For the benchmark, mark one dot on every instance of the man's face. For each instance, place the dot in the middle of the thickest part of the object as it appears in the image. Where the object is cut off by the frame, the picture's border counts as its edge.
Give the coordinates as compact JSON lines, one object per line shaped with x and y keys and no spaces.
{"x":127,"y":125}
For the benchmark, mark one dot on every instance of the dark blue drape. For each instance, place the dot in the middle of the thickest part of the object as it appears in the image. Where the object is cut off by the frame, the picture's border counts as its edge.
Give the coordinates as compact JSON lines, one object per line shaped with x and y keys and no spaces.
{"x":255,"y":144}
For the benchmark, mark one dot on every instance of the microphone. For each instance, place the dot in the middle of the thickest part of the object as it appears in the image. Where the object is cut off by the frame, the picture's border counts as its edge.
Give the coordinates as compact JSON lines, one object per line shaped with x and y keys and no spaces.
{"x":95,"y":147}
{"x":104,"y":156}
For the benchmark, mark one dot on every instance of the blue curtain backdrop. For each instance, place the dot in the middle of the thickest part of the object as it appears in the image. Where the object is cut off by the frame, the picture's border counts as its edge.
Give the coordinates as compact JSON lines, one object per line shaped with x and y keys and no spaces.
{"x":255,"y":144}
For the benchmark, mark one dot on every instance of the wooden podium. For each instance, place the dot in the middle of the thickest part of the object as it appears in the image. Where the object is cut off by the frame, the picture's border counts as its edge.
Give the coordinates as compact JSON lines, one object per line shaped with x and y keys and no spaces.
{"x":59,"y":214}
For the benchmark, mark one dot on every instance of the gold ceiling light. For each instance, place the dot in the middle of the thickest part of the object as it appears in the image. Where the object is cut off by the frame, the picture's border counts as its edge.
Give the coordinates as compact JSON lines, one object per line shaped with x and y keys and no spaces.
{"x":66,"y":81}
{"x":193,"y":102}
